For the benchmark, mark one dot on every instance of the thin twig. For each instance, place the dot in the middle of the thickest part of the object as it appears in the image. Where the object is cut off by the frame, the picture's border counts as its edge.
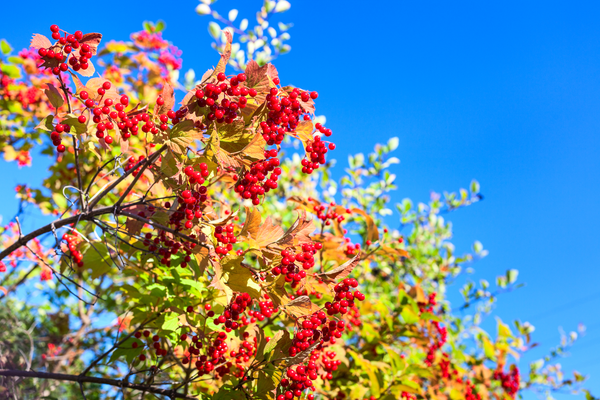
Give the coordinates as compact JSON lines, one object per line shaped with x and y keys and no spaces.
{"x":90,"y":379}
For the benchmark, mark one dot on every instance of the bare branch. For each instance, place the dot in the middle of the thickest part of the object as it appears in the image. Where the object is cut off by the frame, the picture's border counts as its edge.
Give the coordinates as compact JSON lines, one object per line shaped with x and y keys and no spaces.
{"x":89,"y":379}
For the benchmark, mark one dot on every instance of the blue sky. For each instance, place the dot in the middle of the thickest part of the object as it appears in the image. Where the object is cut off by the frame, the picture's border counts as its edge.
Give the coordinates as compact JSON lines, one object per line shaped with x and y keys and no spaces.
{"x":504,"y":92}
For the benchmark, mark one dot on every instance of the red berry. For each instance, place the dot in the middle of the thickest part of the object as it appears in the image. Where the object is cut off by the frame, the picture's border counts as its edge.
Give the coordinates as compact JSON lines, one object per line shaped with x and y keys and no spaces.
{"x":54,"y":28}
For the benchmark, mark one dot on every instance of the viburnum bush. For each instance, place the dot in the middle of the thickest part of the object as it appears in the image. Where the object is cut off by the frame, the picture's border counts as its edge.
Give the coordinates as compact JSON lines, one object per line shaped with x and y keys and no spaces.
{"x":195,"y":254}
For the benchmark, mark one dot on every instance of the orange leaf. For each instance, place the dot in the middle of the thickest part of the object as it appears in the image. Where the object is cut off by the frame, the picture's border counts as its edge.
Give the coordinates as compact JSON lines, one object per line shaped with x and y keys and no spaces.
{"x":340,"y":272}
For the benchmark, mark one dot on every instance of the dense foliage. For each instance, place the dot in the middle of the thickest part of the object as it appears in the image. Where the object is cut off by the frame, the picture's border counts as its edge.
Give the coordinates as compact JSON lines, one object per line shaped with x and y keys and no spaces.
{"x":202,"y":249}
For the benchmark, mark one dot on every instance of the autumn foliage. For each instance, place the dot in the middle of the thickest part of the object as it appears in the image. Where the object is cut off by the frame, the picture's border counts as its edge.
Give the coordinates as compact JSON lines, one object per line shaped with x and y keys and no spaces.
{"x":199,"y":247}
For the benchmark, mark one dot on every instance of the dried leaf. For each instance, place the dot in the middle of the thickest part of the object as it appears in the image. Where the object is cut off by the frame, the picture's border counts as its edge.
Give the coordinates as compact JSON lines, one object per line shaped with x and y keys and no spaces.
{"x":301,"y":306}
{"x":181,"y":136}
{"x":268,"y":233}
{"x":340,"y":272}
{"x":304,"y":132}
{"x":256,"y":78}
{"x":39,"y":41}
{"x":237,"y":277}
{"x":168,"y":96}
{"x":252,"y":223}
{"x":372,"y":231}
{"x":54,"y":96}
{"x":93,"y":40}
{"x":303,"y":355}
{"x":226,"y":54}
{"x":133,"y":226}
{"x":299,"y":232}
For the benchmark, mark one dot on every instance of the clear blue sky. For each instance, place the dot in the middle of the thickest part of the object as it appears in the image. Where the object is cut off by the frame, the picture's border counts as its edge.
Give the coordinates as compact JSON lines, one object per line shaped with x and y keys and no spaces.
{"x":504,"y":92}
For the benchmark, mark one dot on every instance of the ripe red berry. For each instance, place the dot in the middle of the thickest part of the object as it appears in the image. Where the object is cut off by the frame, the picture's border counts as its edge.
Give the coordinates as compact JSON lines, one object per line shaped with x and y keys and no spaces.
{"x":54,"y":28}
{"x":60,"y":148}
{"x":221,"y":77}
{"x":314,"y":95}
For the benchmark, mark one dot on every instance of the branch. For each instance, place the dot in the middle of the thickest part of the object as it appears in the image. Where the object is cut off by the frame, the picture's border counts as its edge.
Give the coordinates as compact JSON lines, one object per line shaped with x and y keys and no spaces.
{"x":164,"y":228}
{"x":116,"y":345}
{"x":16,"y":284}
{"x":53,"y":226}
{"x":102,"y":381}
{"x":145,"y":161}
{"x":89,"y":216}
{"x":75,"y":146}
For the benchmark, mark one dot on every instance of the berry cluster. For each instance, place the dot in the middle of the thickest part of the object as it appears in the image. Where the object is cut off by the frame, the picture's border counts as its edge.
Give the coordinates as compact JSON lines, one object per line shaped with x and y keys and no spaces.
{"x":71,"y":245}
{"x":328,"y":213}
{"x":227,"y":110}
{"x":510,"y":381}
{"x":315,"y":154}
{"x":436,"y":345}
{"x":167,"y":247}
{"x":132,"y":161}
{"x":196,"y":176}
{"x":351,"y":249}
{"x":298,"y":379}
{"x":257,"y":181}
{"x":189,"y":207}
{"x":153,"y":343}
{"x":285,"y":111}
{"x":68,"y":47}
{"x":55,"y":136}
{"x":226,"y":238}
{"x":292,"y":262}
{"x":344,"y":298}
{"x":470,"y":393}
{"x":232,"y":313}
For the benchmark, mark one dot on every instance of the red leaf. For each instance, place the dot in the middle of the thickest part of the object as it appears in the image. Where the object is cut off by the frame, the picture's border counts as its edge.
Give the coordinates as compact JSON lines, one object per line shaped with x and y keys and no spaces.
{"x":340,"y":272}
{"x":169,"y":98}
{"x":226,"y":54}
{"x":40,"y":41}
{"x":93,"y":40}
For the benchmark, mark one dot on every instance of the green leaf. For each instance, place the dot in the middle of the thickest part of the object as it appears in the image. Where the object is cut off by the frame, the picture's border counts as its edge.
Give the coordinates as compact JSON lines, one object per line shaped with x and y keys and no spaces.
{"x":393,"y":143}
{"x":511,"y":275}
{"x":171,"y":322}
{"x":97,"y":258}
{"x":409,"y":315}
{"x":213,"y":28}
{"x":11,"y":70}
{"x":488,"y":348}
{"x":160,"y":26}
{"x":474,"y":186}
{"x":5,"y":47}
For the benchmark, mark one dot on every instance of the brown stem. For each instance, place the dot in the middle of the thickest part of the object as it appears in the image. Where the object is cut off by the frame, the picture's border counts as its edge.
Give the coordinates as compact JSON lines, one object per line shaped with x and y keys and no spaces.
{"x":145,"y":161}
{"x":89,"y":379}
{"x":164,"y":228}
{"x":75,"y":146}
{"x":107,"y":352}
{"x":19,"y":282}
